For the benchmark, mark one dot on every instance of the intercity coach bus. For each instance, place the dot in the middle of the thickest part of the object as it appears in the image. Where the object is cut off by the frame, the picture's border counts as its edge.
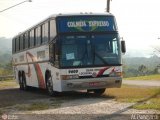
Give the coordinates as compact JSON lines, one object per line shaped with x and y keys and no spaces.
{"x":69,"y":52}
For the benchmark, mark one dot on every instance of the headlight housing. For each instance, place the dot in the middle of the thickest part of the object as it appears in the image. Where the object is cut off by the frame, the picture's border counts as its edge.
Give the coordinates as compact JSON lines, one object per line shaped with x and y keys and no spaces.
{"x":68,"y":77}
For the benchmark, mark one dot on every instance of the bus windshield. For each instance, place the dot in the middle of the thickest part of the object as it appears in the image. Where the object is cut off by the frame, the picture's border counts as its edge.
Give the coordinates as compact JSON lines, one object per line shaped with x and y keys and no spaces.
{"x":89,"y":50}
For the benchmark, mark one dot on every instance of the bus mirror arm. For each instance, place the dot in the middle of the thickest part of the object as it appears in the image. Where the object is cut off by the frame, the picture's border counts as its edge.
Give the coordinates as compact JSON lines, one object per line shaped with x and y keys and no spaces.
{"x":123,"y":46}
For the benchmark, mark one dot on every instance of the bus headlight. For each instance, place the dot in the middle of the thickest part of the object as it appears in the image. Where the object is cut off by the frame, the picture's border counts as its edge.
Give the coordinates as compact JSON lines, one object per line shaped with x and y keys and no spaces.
{"x":119,"y":74}
{"x":67,"y":77}
{"x":116,"y":74}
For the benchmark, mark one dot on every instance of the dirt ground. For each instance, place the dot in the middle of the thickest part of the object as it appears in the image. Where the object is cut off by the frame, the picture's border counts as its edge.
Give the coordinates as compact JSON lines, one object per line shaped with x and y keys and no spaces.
{"x":35,"y":104}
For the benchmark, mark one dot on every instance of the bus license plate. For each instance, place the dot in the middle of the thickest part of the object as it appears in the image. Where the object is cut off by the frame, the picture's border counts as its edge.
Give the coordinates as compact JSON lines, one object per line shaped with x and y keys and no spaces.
{"x":94,"y":84}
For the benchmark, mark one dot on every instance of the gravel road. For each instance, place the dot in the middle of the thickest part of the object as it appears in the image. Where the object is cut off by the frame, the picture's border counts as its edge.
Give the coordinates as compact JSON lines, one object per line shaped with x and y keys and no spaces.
{"x":149,"y":83}
{"x":69,"y":106}
{"x":88,"y":109}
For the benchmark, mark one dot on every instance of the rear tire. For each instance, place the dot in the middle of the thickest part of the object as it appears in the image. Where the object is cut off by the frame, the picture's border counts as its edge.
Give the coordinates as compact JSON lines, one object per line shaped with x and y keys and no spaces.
{"x":24,"y":84}
{"x":20,"y":82}
{"x":99,"y":91}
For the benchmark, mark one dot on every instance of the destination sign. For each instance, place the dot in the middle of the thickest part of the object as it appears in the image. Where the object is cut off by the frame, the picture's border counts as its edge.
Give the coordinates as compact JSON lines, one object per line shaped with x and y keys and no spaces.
{"x":86,"y":24}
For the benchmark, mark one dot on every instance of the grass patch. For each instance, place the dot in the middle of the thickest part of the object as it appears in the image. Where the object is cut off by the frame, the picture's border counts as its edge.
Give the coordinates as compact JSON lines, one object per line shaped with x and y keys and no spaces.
{"x":136,"y":95}
{"x":8,"y":84}
{"x":153,"y":103}
{"x":56,"y":103}
{"x":1,"y":112}
{"x":130,"y":94}
{"x":148,"y":77}
{"x":6,"y":104}
{"x":33,"y":106}
{"x":39,"y":105}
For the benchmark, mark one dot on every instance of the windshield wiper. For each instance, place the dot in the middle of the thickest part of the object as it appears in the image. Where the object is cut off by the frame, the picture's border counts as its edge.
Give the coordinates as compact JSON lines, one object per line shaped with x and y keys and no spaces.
{"x":101,"y":58}
{"x":96,"y":54}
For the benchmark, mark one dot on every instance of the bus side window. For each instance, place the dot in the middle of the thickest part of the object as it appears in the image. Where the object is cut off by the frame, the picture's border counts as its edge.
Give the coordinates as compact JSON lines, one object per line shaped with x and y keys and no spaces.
{"x":23,"y":36}
{"x":28,"y":35}
{"x":26,"y":40}
{"x":52,"y":29}
{"x":21,"y":42}
{"x":45,"y":33}
{"x":31,"y":33}
{"x":38,"y":35}
{"x":17,"y":44}
{"x":13,"y":45}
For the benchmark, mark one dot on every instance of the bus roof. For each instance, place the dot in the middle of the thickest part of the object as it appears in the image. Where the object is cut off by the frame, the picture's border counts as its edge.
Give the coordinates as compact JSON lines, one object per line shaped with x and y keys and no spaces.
{"x":65,"y":15}
{"x":81,"y":14}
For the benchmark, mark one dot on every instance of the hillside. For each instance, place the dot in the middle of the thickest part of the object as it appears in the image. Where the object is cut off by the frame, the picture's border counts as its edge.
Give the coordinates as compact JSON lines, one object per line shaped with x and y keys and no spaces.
{"x":135,"y":62}
{"x":131,"y":65}
{"x":5,"y":50}
{"x":5,"y":45}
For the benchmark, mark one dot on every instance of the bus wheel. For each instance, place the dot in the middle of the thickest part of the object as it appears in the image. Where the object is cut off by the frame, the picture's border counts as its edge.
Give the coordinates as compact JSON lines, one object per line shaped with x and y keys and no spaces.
{"x":20,"y":82}
{"x":25,"y":87}
{"x":49,"y":85}
{"x":99,"y":91}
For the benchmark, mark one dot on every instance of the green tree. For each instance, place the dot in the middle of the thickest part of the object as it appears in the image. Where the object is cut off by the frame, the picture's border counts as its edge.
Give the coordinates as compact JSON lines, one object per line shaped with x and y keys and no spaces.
{"x":142,"y":70}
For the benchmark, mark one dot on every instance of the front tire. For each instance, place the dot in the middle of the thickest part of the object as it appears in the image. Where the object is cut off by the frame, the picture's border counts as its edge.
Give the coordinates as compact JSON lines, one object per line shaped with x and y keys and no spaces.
{"x":49,"y":85}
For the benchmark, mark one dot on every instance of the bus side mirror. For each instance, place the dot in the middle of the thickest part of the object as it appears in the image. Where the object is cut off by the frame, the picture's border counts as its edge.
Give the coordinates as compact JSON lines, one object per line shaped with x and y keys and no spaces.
{"x":123,"y":46}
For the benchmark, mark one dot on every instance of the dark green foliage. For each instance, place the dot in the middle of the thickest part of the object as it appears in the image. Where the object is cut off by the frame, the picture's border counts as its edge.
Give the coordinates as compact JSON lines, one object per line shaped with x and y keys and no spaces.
{"x":142,"y":70}
{"x":137,"y":66}
{"x":131,"y":65}
{"x":6,"y":69}
{"x":5,"y":56}
{"x":5,"y":51}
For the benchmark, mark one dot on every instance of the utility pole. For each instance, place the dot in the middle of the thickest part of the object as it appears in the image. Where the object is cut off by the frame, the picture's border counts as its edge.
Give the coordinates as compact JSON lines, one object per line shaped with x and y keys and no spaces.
{"x":108,"y":6}
{"x":15,"y":5}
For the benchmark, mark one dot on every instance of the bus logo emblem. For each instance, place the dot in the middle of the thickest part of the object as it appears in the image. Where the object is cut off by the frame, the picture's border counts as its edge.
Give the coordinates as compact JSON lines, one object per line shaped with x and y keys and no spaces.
{"x":94,"y":74}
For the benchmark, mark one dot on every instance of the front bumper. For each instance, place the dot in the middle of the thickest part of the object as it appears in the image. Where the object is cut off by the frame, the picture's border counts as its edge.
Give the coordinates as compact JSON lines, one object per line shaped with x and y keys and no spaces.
{"x":91,"y":83}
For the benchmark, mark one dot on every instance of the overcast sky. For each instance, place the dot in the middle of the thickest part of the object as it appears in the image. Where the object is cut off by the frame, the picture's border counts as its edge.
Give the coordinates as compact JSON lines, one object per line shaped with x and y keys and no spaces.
{"x":138,"y":20}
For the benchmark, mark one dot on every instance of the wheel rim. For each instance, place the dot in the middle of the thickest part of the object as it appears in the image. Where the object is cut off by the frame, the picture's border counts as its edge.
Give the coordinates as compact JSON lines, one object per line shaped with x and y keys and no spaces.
{"x":20,"y":82}
{"x":49,"y":85}
{"x":20,"y":79}
{"x":24,"y":84}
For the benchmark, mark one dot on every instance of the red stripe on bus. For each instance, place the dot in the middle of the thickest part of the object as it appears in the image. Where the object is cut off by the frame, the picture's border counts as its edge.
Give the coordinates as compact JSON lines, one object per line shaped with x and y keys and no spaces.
{"x":40,"y":76}
{"x":102,"y":71}
{"x":39,"y":73}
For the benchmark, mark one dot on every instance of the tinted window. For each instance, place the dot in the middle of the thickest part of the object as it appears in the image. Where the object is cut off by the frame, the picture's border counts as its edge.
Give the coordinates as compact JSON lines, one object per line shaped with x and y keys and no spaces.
{"x":26,"y":40}
{"x":13,"y":46}
{"x":38,"y":35}
{"x":45,"y":32}
{"x":52,"y":29}
{"x":31,"y":38}
{"x":17,"y":44}
{"x":88,"y":50}
{"x":21,"y":42}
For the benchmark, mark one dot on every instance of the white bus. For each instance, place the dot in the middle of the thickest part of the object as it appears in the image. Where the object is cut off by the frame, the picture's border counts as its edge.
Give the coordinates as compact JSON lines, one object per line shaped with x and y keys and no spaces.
{"x":69,"y":52}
